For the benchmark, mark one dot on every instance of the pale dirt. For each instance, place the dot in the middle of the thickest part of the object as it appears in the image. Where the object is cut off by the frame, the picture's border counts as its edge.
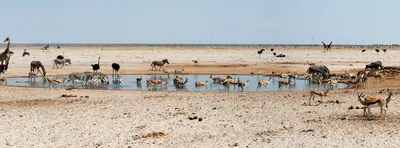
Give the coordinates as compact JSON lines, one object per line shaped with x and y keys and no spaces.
{"x":39,"y":117}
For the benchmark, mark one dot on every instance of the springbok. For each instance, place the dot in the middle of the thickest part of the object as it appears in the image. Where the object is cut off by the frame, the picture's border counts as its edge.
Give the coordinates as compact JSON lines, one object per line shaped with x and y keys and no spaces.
{"x":314,"y":93}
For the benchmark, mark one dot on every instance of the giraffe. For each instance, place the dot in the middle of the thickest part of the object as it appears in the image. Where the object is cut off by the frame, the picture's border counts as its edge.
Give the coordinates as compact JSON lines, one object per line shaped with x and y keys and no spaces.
{"x":4,"y":56}
{"x":327,"y":47}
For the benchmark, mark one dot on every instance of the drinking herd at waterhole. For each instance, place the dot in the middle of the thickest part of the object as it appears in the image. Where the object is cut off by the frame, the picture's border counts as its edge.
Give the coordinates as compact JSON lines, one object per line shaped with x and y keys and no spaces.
{"x":317,"y":74}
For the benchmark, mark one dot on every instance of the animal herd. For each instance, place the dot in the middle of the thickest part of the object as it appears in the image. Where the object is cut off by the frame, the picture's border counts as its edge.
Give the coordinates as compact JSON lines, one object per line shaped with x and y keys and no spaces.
{"x":96,"y":78}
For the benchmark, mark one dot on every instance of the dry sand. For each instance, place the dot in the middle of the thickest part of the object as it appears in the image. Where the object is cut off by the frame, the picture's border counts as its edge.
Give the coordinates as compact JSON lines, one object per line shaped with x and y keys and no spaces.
{"x":39,"y":117}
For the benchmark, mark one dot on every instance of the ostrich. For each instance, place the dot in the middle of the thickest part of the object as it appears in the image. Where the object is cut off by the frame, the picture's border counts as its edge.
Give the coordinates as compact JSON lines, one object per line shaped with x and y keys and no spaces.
{"x":384,"y":50}
{"x":377,"y":51}
{"x":46,"y":47}
{"x":363,"y":50}
{"x":96,"y":67}
{"x":195,"y":62}
{"x":274,"y":54}
{"x":272,"y":49}
{"x":25,"y":53}
{"x":60,"y":57}
{"x":327,"y":47}
{"x":115,"y":67}
{"x":260,"y":52}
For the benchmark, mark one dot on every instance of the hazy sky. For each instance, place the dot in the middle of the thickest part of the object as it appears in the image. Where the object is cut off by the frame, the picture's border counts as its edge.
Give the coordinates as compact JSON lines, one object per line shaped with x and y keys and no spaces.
{"x":202,"y":21}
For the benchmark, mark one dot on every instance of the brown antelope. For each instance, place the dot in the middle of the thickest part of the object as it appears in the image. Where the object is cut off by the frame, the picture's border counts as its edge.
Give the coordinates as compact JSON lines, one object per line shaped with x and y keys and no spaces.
{"x":314,"y":93}
{"x":372,"y":101}
{"x":263,"y":82}
{"x":293,"y":76}
{"x":333,"y":82}
{"x":229,"y":82}
{"x":178,"y":72}
{"x":323,"y":82}
{"x":215,"y":79}
{"x":283,"y":75}
{"x":283,"y":83}
{"x":198,"y":83}
{"x":243,"y":84}
{"x":155,"y":81}
{"x":49,"y":81}
{"x":181,"y":83}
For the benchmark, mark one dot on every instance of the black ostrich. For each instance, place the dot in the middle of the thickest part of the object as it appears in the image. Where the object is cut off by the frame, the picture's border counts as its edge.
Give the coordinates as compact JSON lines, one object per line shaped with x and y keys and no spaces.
{"x":260,"y":52}
{"x":384,"y":50}
{"x":274,"y":54}
{"x":60,"y":57}
{"x":25,"y":53}
{"x":377,"y":51}
{"x":96,"y":67}
{"x":115,"y":67}
{"x":363,"y":50}
{"x":272,"y":49}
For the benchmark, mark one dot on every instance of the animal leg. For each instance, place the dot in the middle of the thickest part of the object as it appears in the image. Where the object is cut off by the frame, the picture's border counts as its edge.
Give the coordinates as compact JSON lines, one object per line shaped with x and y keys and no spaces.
{"x":309,"y":100}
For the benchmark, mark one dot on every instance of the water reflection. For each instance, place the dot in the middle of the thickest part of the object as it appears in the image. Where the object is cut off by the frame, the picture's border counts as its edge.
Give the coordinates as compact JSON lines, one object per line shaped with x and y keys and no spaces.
{"x":130,"y":82}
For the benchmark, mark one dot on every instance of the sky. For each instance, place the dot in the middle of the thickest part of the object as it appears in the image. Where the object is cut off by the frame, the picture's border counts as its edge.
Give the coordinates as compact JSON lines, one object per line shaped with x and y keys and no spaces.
{"x":202,"y":21}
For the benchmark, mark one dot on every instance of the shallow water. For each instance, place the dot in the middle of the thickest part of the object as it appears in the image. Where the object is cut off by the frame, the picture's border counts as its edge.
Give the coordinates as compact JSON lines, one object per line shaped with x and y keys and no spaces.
{"x":129,"y":83}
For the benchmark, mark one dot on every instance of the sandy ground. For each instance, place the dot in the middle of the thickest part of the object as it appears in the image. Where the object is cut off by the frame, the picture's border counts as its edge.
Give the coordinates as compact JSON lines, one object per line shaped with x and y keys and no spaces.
{"x":39,"y":117}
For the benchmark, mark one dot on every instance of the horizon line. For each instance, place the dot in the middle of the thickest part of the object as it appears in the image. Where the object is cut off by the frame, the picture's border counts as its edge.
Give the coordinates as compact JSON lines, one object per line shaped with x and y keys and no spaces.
{"x":239,"y":44}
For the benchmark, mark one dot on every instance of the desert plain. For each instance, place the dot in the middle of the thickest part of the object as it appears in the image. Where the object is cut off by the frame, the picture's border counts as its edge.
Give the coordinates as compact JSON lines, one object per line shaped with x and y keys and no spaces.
{"x":40,"y":117}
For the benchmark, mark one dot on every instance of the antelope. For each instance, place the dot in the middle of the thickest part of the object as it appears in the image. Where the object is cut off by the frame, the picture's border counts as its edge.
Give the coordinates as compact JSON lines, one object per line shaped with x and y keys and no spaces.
{"x":181,"y":84}
{"x":371,"y":101}
{"x":283,"y":75}
{"x":139,"y":79}
{"x":243,"y":84}
{"x":215,"y":79}
{"x":105,"y":80}
{"x":177,"y":72}
{"x":293,"y":76}
{"x":333,"y":82}
{"x":228,"y":82}
{"x":49,"y":81}
{"x":155,"y":81}
{"x":323,"y":81}
{"x":311,"y":64}
{"x":60,"y":81}
{"x":198,"y":83}
{"x":263,"y":82}
{"x":283,"y":83}
{"x":258,"y":73}
{"x":361,"y":100}
{"x":313,"y":93}
{"x":96,"y":81}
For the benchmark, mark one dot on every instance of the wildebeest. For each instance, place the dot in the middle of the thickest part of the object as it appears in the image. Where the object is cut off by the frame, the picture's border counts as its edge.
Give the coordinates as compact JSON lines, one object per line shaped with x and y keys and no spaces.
{"x":158,"y":63}
{"x":374,"y":65}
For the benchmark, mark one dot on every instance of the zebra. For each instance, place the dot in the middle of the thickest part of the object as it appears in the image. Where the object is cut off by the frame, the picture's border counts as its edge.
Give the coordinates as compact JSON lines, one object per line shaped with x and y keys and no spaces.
{"x":75,"y":77}
{"x":62,"y":62}
{"x":158,"y":63}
